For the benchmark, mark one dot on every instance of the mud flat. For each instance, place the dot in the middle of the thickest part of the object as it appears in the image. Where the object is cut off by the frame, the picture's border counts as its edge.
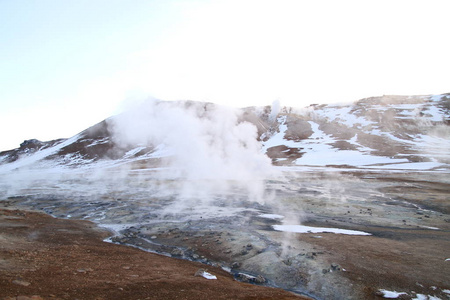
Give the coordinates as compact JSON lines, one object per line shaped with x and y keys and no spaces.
{"x":341,"y":234}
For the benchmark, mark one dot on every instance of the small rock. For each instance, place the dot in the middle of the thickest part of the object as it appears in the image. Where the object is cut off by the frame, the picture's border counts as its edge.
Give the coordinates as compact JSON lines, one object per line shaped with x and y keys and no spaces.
{"x":260,"y":279}
{"x":335,"y":267}
{"x":243,"y":277}
{"x":177,"y":252}
{"x":325,"y":271}
{"x":153,"y":237}
{"x":287,"y":262}
{"x":244,"y":252}
{"x":21,"y":282}
{"x":235,"y":265}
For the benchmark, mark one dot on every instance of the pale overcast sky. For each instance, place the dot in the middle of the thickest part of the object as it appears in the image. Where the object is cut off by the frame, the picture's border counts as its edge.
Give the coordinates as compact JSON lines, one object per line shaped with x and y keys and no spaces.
{"x":66,"y":65}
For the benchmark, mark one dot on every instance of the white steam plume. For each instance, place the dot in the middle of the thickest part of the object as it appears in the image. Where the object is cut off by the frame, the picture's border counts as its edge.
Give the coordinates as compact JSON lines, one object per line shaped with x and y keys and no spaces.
{"x":211,"y":149}
{"x":275,"y":110}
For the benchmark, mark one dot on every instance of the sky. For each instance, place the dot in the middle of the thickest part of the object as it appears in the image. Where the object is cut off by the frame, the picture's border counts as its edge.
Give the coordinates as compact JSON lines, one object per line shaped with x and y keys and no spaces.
{"x":66,"y":65}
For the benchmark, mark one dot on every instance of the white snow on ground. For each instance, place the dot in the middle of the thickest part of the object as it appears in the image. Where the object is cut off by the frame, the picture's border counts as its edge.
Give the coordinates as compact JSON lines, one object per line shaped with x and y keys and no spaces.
{"x":318,"y":149}
{"x":319,"y":152}
{"x":278,"y":138}
{"x":309,"y":229}
{"x":99,"y":142}
{"x":435,"y":114}
{"x":343,"y":114}
{"x":271,"y":216}
{"x":409,"y":166}
{"x":425,"y":297}
{"x":208,"y":275}
{"x":430,"y":227}
{"x":134,"y":151}
{"x":391,"y":294}
{"x":37,"y":156}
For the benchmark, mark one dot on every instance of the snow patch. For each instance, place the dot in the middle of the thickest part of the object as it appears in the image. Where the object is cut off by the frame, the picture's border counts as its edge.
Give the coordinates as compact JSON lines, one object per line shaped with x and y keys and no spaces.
{"x":319,"y":152}
{"x":271,"y":216}
{"x":309,"y":229}
{"x":391,"y":294}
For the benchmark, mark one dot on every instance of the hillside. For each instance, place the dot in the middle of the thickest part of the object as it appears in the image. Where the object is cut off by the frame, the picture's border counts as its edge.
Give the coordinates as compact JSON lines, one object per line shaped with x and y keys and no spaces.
{"x":394,"y":132}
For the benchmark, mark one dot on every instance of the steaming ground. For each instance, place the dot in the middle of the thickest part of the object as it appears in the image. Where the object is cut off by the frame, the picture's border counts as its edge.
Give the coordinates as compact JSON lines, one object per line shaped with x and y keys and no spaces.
{"x":349,"y":206}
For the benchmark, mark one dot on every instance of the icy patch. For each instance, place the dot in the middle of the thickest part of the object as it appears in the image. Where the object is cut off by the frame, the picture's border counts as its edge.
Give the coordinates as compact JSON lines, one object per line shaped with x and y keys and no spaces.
{"x":99,"y":142}
{"x":205,"y":274}
{"x":278,"y":138}
{"x":344,"y":115}
{"x":309,"y":229}
{"x":133,"y":152}
{"x":271,"y":216}
{"x":425,"y":297}
{"x":319,"y":152}
{"x":391,"y":294}
{"x":410,"y":166}
{"x":37,"y":156}
{"x":429,"y":227}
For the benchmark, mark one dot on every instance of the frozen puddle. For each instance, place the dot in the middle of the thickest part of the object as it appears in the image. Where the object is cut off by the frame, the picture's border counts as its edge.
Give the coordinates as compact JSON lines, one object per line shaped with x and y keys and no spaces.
{"x":271,"y":216}
{"x":309,"y":229}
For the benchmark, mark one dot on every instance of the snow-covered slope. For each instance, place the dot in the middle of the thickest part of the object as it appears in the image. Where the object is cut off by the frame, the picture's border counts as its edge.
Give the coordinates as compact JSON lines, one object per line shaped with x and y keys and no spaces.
{"x":384,"y":132}
{"x":389,"y":132}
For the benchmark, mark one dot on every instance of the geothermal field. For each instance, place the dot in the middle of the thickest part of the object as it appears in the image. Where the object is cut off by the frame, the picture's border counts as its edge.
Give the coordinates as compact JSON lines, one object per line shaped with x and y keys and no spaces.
{"x":328,"y":201}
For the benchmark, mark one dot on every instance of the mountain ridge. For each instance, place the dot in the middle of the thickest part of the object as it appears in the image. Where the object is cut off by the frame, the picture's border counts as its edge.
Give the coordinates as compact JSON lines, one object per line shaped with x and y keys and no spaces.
{"x":386,"y":130}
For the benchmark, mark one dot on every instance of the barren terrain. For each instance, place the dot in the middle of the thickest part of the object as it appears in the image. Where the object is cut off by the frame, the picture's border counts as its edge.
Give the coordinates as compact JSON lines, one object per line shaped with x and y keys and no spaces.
{"x":47,"y":258}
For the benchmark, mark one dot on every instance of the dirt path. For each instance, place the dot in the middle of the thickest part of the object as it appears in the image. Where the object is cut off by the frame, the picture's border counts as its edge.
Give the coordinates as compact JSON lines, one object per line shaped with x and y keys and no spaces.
{"x":47,"y":258}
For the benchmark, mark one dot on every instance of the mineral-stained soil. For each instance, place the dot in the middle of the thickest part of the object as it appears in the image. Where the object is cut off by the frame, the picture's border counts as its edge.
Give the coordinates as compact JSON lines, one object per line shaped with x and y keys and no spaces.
{"x":42,"y":257}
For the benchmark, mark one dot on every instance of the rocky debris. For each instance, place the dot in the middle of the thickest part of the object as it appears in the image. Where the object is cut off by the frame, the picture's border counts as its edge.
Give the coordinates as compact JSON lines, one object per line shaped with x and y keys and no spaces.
{"x":250,"y":279}
{"x":31,"y":144}
{"x":177,"y":252}
{"x":259,"y":279}
{"x":244,"y":252}
{"x":336,"y":267}
{"x":21,"y":282}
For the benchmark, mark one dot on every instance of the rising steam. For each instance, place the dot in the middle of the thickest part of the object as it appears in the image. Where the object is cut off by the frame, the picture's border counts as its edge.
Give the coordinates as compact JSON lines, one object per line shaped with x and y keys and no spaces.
{"x":211,"y":148}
